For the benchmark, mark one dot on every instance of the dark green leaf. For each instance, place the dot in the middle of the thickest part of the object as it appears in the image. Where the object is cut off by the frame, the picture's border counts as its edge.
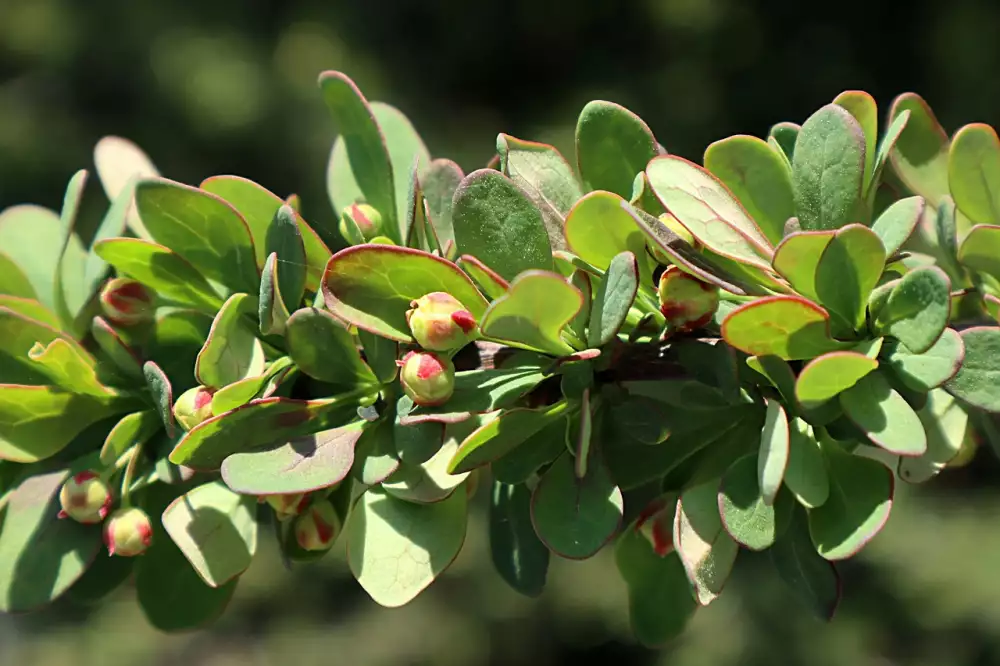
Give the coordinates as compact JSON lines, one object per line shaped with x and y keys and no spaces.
{"x":978,"y":380}
{"x":322,"y":348}
{"x":814,"y":580}
{"x":502,"y":435}
{"x":923,"y":372}
{"x":612,"y":146}
{"x":285,"y":239}
{"x":897,"y":222}
{"x":917,"y":310}
{"x":518,"y":555}
{"x":750,"y":520}
{"x":613,"y":299}
{"x":232,"y":352}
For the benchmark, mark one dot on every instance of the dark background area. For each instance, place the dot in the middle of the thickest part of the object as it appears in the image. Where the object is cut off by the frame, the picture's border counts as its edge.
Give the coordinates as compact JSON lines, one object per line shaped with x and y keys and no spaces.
{"x":229,"y":86}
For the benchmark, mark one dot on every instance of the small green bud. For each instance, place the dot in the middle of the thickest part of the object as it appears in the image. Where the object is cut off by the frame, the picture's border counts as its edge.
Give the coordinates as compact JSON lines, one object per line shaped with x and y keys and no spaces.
{"x":427,"y":377}
{"x":193,"y":407}
{"x":685,"y":301}
{"x":128,"y":532}
{"x":362,"y":218}
{"x":439,"y":322}
{"x":127,"y":302}
{"x":317,"y":527}
{"x":85,"y":498}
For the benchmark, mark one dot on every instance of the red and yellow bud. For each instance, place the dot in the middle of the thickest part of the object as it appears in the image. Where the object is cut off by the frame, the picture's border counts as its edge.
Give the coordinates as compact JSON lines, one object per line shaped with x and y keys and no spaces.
{"x":126,"y":302}
{"x":439,"y":322}
{"x":193,"y":407}
{"x":656,"y":523}
{"x":128,"y":532}
{"x":85,"y":498}
{"x":685,"y":301}
{"x":365,"y":218}
{"x":317,"y":527}
{"x":287,"y":506}
{"x":427,"y":377}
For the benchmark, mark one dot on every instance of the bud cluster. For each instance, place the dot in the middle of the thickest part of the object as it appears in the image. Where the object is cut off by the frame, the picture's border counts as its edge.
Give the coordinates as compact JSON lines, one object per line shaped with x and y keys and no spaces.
{"x":86,"y":498}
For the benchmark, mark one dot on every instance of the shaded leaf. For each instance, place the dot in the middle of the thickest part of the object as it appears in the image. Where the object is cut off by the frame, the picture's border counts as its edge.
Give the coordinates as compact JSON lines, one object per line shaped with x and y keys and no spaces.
{"x":806,"y":476}
{"x":897,"y":222}
{"x":884,"y":416}
{"x":978,"y":380}
{"x":813,"y":579}
{"x":923,"y":372}
{"x":520,"y":558}
{"x":705,"y":548}
{"x":614,"y":297}
{"x":232,"y":352}
{"x":847,"y":272}
{"x":322,"y":348}
{"x":946,"y":423}
{"x":751,"y":521}
{"x":533,"y":313}
{"x":920,"y":156}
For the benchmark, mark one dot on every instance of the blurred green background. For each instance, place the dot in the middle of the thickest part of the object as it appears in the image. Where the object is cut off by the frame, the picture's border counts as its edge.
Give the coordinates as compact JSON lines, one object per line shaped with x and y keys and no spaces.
{"x":229,"y":86}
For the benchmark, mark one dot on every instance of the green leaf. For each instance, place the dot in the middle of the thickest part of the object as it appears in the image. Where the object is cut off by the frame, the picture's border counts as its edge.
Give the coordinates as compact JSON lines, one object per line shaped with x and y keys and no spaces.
{"x":797,"y":257}
{"x":612,"y":146}
{"x":861,"y":491}
{"x":778,"y":372}
{"x":419,"y":232}
{"x":112,"y":226}
{"x":72,"y":292}
{"x":848,"y":271}
{"x":499,"y":225}
{"x":828,"y":170}
{"x":32,"y":237}
{"x":533,"y":313}
{"x":705,"y":548}
{"x":40,"y":555}
{"x":751,"y":521}
{"x":576,"y":517}
{"x":202,"y":228}
{"x":920,"y":156}
{"x":429,"y":481}
{"x":502,"y":435}
{"x":162,"y":394}
{"x":917,"y":310}
{"x":232,"y":352}
{"x":322,"y":348}
{"x":546,"y":177}
{"x":259,"y":206}
{"x":120,"y":164}
{"x":135,"y":428}
{"x":70,"y":368}
{"x":263,"y":386}
{"x":978,"y":380}
{"x":814,"y":580}
{"x":885,"y":147}
{"x":216,"y":529}
{"x":884,"y":416}
{"x":481,"y":391}
{"x":980,"y":250}
{"x":806,"y":475}
{"x":897,"y":222}
{"x":105,"y":576}
{"x":784,"y":135}
{"x":380,"y":354}
{"x":660,"y":597}
{"x":272,"y":314}
{"x":160,"y":269}
{"x":362,"y":148}
{"x":371,"y":286}
{"x":613,"y":300}
{"x":758,"y":177}
{"x":375,"y":454}
{"x":396,"y":549}
{"x":37,"y":422}
{"x":171,"y":593}
{"x":13,"y":280}
{"x":520,"y":558}
{"x":789,"y":327}
{"x":18,"y":335}
{"x":489,"y":283}
{"x":827,"y":376}
{"x":257,"y":424}
{"x":708,"y":210}
{"x":862,"y":106}
{"x":540,"y":449}
{"x":119,"y":353}
{"x":598,"y":229}
{"x":923,"y":372}
{"x":440,"y":182}
{"x":974,"y":172}
{"x":774,"y":452}
{"x":285,"y":239}
{"x":417,"y":441}
{"x":946,"y":423}
{"x":177,"y":338}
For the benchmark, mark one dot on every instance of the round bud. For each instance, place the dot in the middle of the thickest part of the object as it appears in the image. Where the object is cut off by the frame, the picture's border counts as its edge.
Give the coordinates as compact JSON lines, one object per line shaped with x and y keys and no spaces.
{"x":685,"y":301}
{"x":128,"y":532}
{"x":440,"y":322}
{"x":126,"y":302}
{"x":656,"y":523}
{"x":287,"y":506}
{"x":317,"y":527}
{"x":193,"y":407}
{"x":85,"y":498}
{"x":428,"y":378}
{"x":366,"y":219}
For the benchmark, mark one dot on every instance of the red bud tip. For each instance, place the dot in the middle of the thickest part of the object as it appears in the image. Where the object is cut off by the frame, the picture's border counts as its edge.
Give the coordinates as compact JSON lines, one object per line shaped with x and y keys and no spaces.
{"x":85,"y":498}
{"x":439,"y":322}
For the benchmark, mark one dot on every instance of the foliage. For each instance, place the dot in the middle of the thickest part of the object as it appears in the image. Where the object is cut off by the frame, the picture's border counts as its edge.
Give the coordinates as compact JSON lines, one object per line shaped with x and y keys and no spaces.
{"x":685,"y":362}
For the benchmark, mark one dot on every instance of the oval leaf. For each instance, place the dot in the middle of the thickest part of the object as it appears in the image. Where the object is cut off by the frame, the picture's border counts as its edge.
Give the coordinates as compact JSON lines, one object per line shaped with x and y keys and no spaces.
{"x":980,"y":250}
{"x":612,"y":146}
{"x":978,"y":380}
{"x":752,"y":522}
{"x":813,"y":579}
{"x":613,"y":300}
{"x":847,"y":272}
{"x":322,"y":348}
{"x":598,"y":228}
{"x":884,"y":416}
{"x":825,"y":377}
{"x":232,"y":352}
{"x":789,"y":327}
{"x":806,"y":475}
{"x":520,"y":558}
{"x":923,"y":372}
{"x":705,"y":548}
{"x":773,"y":457}
{"x":918,"y":308}
{"x":897,"y":222}
{"x":974,"y":172}
{"x":533,"y":313}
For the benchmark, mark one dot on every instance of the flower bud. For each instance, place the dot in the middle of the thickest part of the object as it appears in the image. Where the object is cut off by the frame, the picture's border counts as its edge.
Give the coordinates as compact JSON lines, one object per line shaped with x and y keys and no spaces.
{"x":126,"y":302}
{"x":686,"y":302}
{"x":439,"y":322}
{"x":656,"y":523}
{"x":367,"y":220}
{"x":287,"y":506}
{"x":317,"y":527}
{"x":85,"y":498}
{"x":128,"y":532}
{"x":193,"y":407}
{"x":428,"y":378}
